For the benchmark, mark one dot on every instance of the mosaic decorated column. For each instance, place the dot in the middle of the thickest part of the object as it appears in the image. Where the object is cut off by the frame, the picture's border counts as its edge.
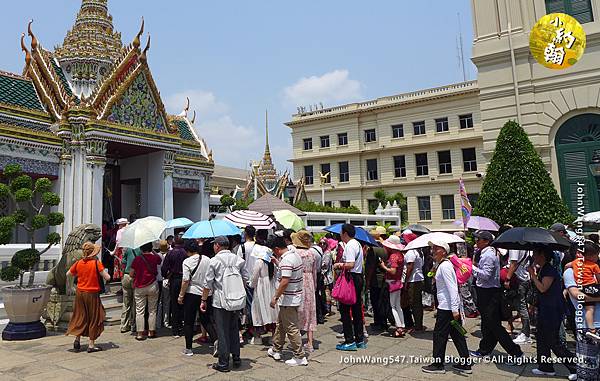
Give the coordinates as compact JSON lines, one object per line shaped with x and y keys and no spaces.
{"x":168,"y":164}
{"x":66,"y":187}
{"x":78,"y":165}
{"x":95,"y":161}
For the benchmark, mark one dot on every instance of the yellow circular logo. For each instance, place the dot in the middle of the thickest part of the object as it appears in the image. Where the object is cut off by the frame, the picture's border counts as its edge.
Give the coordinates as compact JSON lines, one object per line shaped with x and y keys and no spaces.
{"x":557,"y":41}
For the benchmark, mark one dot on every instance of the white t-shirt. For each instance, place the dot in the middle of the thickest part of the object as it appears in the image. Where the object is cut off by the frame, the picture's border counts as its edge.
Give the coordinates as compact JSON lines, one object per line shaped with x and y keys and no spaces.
{"x":447,"y":287}
{"x":517,"y":255}
{"x":291,"y":266}
{"x":197,"y":280}
{"x":353,"y":253}
{"x":412,"y":256}
{"x":248,"y":257}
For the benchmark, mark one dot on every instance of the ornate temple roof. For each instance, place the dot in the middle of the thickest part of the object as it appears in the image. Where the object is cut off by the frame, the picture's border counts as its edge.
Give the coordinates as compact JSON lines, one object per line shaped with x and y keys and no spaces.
{"x":92,"y":36}
{"x":18,"y":91}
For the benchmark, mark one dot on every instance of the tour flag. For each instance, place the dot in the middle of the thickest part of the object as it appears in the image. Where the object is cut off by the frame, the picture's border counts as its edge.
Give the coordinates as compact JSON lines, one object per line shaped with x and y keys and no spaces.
{"x":465,"y":205}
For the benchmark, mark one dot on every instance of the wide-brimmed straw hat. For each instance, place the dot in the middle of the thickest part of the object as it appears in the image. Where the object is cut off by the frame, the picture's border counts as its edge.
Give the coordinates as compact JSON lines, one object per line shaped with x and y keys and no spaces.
{"x":90,"y":250}
{"x":122,"y":221}
{"x":393,"y":242}
{"x":302,"y":239}
{"x":378,"y":231}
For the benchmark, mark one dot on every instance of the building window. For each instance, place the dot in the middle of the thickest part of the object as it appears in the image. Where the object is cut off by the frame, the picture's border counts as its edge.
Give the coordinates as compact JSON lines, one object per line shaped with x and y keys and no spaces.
{"x":473,"y":197}
{"x":343,"y":139}
{"x":372,"y":169}
{"x":307,"y":144}
{"x":308,"y":175}
{"x":579,"y":9}
{"x":370,"y":136}
{"x":324,"y":141}
{"x":445,"y":162}
{"x":399,"y":166}
{"x":419,"y":128}
{"x":345,"y":204}
{"x":373,"y":205}
{"x":448,"y":212}
{"x":344,"y":171}
{"x":424,"y":203}
{"x":397,"y":131}
{"x":469,"y":159}
{"x":326,"y":172}
{"x":441,"y":125}
{"x":422,"y":165}
{"x":328,"y":203}
{"x":466,"y":121}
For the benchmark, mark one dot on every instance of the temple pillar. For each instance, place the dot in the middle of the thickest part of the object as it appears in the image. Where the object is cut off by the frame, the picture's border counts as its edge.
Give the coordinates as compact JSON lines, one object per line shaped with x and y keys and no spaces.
{"x":95,"y":161}
{"x":168,"y":163}
{"x":66,"y":188}
{"x":160,"y":184}
{"x":204,"y":196}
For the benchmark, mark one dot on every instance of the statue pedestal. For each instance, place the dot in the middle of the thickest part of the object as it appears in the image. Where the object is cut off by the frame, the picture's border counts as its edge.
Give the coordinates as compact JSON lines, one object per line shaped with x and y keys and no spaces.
{"x":58,"y":311}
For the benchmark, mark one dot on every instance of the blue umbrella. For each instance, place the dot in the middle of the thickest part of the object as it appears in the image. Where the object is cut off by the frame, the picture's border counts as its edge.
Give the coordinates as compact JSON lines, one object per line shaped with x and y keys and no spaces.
{"x":210,"y":229}
{"x":177,"y":223}
{"x":361,"y":234}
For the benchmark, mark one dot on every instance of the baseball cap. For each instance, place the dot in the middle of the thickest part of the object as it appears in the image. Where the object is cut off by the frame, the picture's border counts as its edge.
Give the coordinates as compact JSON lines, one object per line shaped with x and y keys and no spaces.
{"x":558,"y":227}
{"x":484,"y":234}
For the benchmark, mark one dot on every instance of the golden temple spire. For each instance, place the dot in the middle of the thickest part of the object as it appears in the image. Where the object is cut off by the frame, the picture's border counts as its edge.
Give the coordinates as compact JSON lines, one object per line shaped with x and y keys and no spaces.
{"x":267,"y":131}
{"x":34,"y":41}
{"x":92,"y":36}
{"x":266,"y":171}
{"x":138,"y":37}
{"x":24,"y":48}
{"x":143,"y":56}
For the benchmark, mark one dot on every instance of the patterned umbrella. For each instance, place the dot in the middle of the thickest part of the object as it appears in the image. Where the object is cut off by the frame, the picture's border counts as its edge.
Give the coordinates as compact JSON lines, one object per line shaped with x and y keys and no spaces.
{"x":480,"y":223}
{"x":243,"y":218}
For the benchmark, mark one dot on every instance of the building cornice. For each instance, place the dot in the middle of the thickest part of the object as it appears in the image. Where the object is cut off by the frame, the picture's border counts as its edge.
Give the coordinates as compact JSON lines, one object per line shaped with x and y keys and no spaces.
{"x":462,"y":88}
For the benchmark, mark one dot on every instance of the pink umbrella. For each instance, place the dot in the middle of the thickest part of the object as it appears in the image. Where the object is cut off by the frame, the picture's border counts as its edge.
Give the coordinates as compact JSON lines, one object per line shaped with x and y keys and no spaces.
{"x":480,"y":223}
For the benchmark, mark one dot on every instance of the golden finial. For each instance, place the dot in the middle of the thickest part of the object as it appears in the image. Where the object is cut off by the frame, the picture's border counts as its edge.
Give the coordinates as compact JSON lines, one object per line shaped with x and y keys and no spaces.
{"x":143,"y":57}
{"x":24,"y":48}
{"x":193,"y":118}
{"x":34,"y":41}
{"x":210,"y":156}
{"x":136,"y":40}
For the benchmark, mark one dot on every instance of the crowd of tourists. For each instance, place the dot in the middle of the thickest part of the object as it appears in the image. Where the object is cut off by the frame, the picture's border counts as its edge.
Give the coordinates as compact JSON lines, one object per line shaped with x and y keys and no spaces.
{"x":265,"y":286}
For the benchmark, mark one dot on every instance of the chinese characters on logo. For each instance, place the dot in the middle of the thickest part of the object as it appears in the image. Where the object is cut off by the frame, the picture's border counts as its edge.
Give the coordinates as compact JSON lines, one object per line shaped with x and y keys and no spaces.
{"x":557,"y":41}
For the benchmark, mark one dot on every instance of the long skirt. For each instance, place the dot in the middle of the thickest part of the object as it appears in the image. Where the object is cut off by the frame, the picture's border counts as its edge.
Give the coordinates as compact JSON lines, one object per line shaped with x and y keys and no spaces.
{"x":88,"y":315}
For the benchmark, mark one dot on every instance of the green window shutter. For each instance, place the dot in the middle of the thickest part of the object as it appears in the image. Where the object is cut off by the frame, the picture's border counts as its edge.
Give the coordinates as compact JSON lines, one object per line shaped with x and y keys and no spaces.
{"x":579,"y":9}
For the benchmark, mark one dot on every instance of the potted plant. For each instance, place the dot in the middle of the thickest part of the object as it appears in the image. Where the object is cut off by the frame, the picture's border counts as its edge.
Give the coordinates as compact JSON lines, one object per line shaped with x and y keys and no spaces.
{"x":32,"y":200}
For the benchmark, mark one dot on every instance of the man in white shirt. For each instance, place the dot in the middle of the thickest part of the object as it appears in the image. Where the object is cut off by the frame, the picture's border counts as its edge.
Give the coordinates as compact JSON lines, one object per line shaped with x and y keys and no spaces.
{"x":414,"y":284}
{"x":448,"y":310}
{"x":352,"y":261}
{"x":246,"y":251}
{"x":519,"y":260}
{"x":289,"y":297}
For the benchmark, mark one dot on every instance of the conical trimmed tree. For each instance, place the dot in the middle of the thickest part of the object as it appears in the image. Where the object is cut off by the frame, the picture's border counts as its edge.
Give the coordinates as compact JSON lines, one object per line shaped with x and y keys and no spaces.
{"x":517,"y":189}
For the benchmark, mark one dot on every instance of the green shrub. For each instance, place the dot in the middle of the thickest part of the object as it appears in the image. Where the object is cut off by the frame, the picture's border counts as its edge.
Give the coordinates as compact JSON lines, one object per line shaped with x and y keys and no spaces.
{"x":53,"y":238}
{"x":39,"y":221}
{"x":25,"y":259}
{"x":43,"y":185}
{"x":11,"y":171}
{"x":50,"y":199}
{"x":55,"y":218}
{"x":5,"y":237}
{"x":21,"y":182}
{"x":7,"y":223}
{"x":517,"y":188}
{"x":23,"y":195}
{"x":4,"y":191}
{"x":21,"y":216}
{"x":9,"y":273}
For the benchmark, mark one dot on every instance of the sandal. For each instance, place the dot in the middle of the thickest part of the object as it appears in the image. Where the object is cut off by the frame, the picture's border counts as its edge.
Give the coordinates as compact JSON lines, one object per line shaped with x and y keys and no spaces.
{"x":140,"y":338}
{"x":399,"y":333}
{"x":94,"y":349}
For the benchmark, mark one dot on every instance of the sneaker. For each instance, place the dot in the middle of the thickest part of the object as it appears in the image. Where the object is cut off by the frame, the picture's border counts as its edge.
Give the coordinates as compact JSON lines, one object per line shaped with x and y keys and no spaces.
{"x":187,"y":352}
{"x":276,"y":355}
{"x":461,"y":368}
{"x":522,"y":339}
{"x":294,"y":361}
{"x":477,"y":354}
{"x":433,"y":368}
{"x":339,"y":335}
{"x":216,"y":351}
{"x":308,"y":349}
{"x":592,"y":335}
{"x":572,"y":377}
{"x":366,"y":334}
{"x":538,"y":372}
{"x":346,"y":347}
{"x":361,"y":345}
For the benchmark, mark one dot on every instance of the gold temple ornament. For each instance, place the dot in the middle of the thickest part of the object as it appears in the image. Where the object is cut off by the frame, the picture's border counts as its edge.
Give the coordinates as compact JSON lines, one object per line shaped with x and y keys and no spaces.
{"x":557,"y":41}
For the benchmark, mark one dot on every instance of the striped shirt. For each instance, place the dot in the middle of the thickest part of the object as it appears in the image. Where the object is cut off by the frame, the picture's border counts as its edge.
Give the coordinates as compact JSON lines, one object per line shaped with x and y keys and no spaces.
{"x":290,"y":266}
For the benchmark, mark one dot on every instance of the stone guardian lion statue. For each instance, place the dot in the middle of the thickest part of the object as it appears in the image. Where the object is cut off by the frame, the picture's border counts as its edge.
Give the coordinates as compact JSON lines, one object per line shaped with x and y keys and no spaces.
{"x":71,"y":253}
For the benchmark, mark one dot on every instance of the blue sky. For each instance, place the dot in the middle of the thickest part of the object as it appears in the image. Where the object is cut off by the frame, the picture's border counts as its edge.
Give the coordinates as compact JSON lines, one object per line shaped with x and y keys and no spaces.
{"x":236,"y":58}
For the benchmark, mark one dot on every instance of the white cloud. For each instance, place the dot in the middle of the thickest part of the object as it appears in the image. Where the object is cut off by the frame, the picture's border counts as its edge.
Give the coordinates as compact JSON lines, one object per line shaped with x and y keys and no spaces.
{"x":332,"y":87}
{"x":232,"y":144}
{"x":204,"y":102}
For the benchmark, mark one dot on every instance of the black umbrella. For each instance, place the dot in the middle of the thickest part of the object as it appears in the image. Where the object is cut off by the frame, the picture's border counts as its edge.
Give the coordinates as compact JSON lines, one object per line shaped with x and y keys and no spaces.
{"x":420,"y":229}
{"x":529,"y":239}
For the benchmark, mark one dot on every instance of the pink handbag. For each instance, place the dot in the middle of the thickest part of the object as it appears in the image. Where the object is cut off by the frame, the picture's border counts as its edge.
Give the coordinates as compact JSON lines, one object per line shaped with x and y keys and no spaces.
{"x":343,"y":290}
{"x":394,"y":286}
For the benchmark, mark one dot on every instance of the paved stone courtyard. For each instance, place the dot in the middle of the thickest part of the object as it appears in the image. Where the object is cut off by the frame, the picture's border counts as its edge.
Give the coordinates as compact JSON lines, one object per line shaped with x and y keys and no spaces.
{"x":124,"y":358}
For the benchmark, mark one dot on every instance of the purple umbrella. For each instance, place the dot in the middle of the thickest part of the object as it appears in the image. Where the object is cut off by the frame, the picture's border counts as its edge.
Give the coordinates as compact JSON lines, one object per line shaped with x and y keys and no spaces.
{"x":480,"y":223}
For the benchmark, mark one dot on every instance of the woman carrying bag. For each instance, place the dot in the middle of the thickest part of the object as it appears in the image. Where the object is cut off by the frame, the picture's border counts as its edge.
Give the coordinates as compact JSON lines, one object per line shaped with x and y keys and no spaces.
{"x":88,"y":312}
{"x":393,"y":277}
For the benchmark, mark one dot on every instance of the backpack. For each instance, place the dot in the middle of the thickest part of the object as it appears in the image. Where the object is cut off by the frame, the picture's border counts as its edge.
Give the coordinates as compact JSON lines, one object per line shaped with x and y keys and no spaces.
{"x":234,"y":293}
{"x":463,"y":267}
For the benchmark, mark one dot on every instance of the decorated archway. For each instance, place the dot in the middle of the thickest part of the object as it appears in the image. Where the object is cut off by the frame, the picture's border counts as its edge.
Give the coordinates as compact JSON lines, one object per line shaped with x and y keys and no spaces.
{"x":577,"y":145}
